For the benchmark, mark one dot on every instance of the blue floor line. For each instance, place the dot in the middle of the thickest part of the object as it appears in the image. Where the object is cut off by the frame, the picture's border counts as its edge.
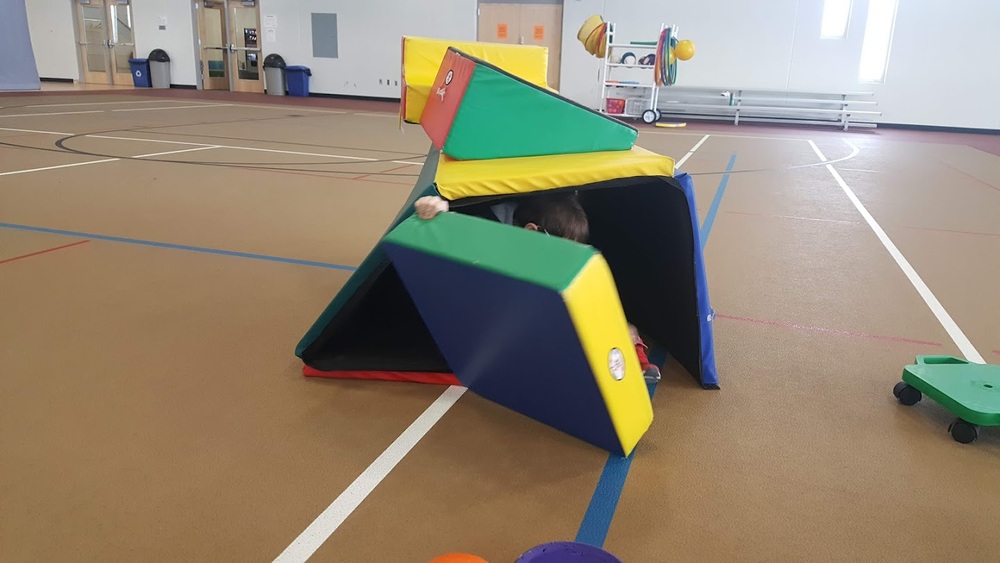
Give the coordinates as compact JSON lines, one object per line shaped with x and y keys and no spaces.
{"x":597,"y":520}
{"x":604,"y":503}
{"x":706,"y":227}
{"x":179,"y":247}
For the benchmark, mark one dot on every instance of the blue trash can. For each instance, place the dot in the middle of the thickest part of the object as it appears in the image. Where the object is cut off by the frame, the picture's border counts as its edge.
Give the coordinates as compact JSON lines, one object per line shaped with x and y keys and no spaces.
{"x":297,"y":79}
{"x":140,"y":73}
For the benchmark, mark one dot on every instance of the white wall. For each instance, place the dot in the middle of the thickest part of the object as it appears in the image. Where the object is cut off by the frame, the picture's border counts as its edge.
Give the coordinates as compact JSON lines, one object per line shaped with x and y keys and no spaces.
{"x":53,"y":38}
{"x":940,"y":69}
{"x":943,"y":69}
{"x":177,"y":40}
{"x":369,"y":35}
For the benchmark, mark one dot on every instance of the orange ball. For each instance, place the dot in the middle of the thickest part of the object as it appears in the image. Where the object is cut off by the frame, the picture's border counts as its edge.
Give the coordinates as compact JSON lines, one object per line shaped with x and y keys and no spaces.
{"x":458,"y":558}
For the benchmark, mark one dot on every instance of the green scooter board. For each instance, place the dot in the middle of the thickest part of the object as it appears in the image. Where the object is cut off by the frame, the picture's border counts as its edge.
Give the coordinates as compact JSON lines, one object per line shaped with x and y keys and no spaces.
{"x":970,"y":391}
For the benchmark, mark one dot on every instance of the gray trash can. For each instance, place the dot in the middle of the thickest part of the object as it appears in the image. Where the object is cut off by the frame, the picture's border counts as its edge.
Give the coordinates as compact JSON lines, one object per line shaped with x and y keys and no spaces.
{"x":159,"y":68}
{"x":274,"y":74}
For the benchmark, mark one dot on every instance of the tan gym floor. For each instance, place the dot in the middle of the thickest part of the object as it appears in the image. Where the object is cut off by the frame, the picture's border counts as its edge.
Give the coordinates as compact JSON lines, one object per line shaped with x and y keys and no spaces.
{"x":161,"y":254}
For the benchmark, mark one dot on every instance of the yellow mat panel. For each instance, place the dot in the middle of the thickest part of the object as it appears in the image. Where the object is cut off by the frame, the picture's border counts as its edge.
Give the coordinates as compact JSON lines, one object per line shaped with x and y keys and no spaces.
{"x":458,"y":179}
{"x":593,"y":304}
{"x":422,"y":58}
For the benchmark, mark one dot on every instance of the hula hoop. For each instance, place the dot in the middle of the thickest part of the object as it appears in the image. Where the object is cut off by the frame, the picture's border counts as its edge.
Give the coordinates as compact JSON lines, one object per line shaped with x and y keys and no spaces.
{"x":665,"y":70}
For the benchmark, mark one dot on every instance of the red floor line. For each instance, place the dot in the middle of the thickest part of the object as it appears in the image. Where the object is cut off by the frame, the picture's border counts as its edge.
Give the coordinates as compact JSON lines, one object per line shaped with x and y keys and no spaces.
{"x":46,"y":251}
{"x":970,"y":176}
{"x":841,"y":332}
{"x":929,"y":229}
{"x":794,"y":217}
{"x":997,"y":352}
{"x":328,"y":176}
{"x":383,"y":171}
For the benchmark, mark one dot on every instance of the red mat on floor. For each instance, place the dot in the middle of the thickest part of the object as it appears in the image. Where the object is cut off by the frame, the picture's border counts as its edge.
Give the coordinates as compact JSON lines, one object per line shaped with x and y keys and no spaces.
{"x":411,"y":376}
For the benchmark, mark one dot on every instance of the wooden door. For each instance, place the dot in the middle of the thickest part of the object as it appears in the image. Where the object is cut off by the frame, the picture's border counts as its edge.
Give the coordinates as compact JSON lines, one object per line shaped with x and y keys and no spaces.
{"x":92,"y":25}
{"x":525,"y":24}
{"x":122,"y":40}
{"x":214,"y":49}
{"x":541,"y":24}
{"x":245,"y":60}
{"x":499,"y":23}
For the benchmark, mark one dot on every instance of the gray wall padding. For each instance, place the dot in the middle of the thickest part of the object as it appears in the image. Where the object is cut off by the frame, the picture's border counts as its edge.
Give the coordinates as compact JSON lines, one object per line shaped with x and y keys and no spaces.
{"x":17,"y":68}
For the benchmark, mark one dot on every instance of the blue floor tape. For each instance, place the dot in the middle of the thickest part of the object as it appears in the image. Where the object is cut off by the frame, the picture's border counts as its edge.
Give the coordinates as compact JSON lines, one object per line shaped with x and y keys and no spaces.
{"x":603,"y":504}
{"x":597,"y":520}
{"x":706,"y":227}
{"x":180,"y":247}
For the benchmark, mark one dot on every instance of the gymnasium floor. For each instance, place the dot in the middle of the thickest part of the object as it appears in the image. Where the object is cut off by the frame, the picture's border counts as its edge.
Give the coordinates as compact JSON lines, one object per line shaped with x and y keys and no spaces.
{"x":161,"y":253}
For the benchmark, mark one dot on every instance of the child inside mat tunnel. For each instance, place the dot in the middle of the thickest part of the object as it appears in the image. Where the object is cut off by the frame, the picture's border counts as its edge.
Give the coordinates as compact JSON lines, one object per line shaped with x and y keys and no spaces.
{"x":554,"y":214}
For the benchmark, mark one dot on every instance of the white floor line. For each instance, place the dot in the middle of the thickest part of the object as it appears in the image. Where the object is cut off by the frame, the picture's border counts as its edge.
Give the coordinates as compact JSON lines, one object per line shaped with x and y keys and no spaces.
{"x":159,"y":101}
{"x":284,"y":107}
{"x":233,"y":147}
{"x":150,"y":140}
{"x":208,"y":145}
{"x":175,"y":107}
{"x":111,"y":110}
{"x":13,"y":172}
{"x":33,"y":131}
{"x":854,"y":152}
{"x":949,"y":324}
{"x":690,"y":152}
{"x":51,"y":113}
{"x":276,"y":151}
{"x":330,"y":519}
{"x":174,"y":152}
{"x":728,"y":136}
{"x":369,"y":114}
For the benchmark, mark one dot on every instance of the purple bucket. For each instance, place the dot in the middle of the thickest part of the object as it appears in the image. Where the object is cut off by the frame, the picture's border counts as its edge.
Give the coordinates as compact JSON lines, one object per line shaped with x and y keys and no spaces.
{"x":567,"y":552}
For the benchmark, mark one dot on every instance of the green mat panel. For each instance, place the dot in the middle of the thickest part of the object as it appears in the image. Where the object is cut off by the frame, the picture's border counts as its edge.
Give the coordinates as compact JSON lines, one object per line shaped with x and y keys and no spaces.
{"x":552,"y":262}
{"x":501,"y":116}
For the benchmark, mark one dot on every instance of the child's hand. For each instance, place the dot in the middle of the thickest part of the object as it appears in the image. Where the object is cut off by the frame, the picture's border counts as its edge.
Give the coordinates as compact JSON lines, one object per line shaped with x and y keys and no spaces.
{"x":634,"y":333}
{"x":429,"y":206}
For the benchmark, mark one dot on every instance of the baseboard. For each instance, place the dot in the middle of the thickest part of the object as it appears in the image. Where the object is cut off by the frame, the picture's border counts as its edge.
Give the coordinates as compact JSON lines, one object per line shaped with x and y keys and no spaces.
{"x":184,"y":86}
{"x":64,"y":80}
{"x":940,"y":128}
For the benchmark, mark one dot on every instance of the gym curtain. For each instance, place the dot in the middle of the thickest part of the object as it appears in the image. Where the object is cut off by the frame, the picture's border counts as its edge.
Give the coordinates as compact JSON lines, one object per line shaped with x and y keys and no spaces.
{"x":17,"y":60}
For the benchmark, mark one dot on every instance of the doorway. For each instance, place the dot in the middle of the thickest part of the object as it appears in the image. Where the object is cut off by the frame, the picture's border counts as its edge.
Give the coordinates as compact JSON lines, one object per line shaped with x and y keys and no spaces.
{"x":106,"y":41}
{"x":229,"y":45}
{"x":528,"y":23}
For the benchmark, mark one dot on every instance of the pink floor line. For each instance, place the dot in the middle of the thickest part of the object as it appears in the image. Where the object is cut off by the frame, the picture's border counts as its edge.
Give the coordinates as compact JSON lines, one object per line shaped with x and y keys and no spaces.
{"x":46,"y":251}
{"x":997,"y":352}
{"x":822,"y":220}
{"x":794,"y":326}
{"x":772,"y":216}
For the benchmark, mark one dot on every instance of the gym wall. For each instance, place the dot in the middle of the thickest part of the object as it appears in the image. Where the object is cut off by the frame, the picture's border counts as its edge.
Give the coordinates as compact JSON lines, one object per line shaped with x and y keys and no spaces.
{"x":940,"y":70}
{"x":368,"y":38}
{"x":53,"y":38}
{"x":940,"y":67}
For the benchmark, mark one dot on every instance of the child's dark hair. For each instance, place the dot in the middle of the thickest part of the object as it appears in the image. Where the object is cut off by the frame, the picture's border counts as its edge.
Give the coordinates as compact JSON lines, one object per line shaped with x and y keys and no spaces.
{"x":559,"y":215}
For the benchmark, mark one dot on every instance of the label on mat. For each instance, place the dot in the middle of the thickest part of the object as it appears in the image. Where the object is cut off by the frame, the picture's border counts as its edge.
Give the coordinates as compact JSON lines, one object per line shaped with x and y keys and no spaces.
{"x":616,"y":364}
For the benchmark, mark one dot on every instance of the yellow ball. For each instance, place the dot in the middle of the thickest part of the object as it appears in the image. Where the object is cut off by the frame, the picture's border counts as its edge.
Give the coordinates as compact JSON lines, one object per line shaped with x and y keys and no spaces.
{"x":684,"y":49}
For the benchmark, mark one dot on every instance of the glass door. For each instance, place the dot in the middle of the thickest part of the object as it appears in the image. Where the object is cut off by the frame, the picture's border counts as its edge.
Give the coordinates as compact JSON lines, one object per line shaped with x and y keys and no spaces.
{"x":122,"y":41}
{"x":244,"y":47}
{"x":214,"y":47}
{"x":92,"y":26}
{"x":106,"y":41}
